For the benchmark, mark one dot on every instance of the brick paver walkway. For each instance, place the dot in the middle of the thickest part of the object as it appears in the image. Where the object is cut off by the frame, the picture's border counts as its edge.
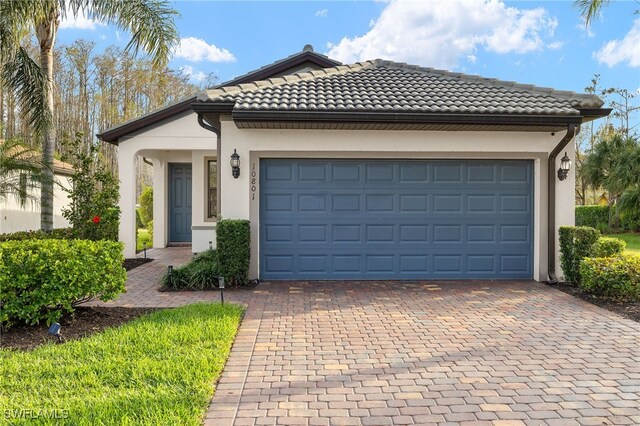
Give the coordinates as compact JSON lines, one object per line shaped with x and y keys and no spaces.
{"x":377,"y":353}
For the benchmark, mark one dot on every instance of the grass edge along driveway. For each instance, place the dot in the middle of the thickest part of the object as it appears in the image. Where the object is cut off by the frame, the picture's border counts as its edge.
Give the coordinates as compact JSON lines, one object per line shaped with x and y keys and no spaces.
{"x":159,"y":369}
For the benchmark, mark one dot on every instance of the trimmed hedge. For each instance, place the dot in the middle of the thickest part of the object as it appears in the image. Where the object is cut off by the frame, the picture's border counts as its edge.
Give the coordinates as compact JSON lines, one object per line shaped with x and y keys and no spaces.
{"x":608,"y":247}
{"x":233,"y":240}
{"x":576,"y":243}
{"x":592,"y":216}
{"x":615,"y":277}
{"x":55,"y":234}
{"x":42,"y":279}
{"x":199,"y":274}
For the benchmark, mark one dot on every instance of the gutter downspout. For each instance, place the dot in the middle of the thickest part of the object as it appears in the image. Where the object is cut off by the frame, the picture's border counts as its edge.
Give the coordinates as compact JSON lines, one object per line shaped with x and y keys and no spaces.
{"x":572,"y":130}
{"x":216,"y":130}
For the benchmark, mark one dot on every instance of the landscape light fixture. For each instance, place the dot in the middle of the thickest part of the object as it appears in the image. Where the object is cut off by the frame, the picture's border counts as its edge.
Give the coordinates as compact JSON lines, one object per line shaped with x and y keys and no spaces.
{"x":144,"y":248}
{"x":565,"y":166}
{"x":221,"y":287}
{"x":235,"y":164}
{"x":170,"y":271}
{"x":54,"y":330}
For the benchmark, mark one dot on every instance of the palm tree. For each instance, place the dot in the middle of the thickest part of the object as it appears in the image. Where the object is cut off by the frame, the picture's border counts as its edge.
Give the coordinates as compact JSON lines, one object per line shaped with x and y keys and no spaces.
{"x":20,"y":172}
{"x":153,"y":29}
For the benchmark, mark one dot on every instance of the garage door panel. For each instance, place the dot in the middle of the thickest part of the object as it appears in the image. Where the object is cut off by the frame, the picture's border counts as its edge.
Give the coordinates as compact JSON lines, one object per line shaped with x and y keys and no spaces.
{"x":378,"y":219}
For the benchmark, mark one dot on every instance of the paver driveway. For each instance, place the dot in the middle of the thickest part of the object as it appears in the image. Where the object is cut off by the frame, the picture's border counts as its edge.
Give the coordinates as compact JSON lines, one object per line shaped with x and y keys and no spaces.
{"x":425,"y":353}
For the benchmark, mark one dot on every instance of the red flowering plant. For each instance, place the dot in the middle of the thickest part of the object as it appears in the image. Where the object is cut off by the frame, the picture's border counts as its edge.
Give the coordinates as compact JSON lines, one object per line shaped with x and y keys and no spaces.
{"x":93,"y":209}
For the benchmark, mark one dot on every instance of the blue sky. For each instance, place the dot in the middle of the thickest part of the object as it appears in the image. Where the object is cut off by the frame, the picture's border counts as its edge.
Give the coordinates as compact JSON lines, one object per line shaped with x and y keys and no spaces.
{"x":543,"y":43}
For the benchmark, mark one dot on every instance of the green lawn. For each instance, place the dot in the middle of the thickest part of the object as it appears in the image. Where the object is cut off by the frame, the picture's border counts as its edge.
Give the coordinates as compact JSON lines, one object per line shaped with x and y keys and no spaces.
{"x":156,"y":370}
{"x":632,"y":240}
{"x":143,"y":236}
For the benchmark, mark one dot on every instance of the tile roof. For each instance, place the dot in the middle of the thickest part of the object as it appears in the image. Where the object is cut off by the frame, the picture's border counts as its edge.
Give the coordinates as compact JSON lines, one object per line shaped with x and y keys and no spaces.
{"x":391,"y":87}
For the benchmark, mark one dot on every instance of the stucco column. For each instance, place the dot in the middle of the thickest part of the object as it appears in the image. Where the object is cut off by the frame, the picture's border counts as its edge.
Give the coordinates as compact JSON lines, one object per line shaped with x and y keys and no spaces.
{"x":126,"y":169}
{"x":160,"y":197}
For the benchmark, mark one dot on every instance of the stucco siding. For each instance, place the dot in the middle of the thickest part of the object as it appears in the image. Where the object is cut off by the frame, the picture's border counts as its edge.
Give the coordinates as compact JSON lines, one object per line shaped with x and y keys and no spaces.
{"x":14,"y":218}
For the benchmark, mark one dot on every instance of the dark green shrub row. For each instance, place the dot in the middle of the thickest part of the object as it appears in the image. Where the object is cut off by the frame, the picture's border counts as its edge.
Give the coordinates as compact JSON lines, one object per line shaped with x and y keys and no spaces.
{"x":199,"y":274}
{"x":56,"y":234}
{"x":579,"y":242}
{"x":592,"y":215}
{"x":42,"y":279}
{"x":608,"y":247}
{"x":616,"y":277}
{"x":233,"y":240}
{"x":576,"y":243}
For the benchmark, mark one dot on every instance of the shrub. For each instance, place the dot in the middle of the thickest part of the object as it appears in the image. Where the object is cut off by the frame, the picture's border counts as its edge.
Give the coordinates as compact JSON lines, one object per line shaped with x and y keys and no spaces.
{"x":42,"y":279}
{"x":199,"y":274}
{"x":615,"y":277}
{"x":139,"y":223}
{"x":150,"y":229}
{"x":608,"y":247}
{"x":146,"y":204}
{"x":630,"y":221}
{"x":233,"y":239}
{"x":93,"y":211}
{"x":55,"y":234}
{"x":576,"y":243}
{"x":592,"y":216}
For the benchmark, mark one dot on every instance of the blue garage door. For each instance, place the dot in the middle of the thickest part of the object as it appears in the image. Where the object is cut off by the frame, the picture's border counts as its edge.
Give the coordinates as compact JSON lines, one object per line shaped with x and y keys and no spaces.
{"x":379,"y":219}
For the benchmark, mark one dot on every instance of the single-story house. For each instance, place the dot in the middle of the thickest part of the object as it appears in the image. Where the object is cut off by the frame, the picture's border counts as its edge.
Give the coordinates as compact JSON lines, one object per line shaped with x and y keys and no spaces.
{"x":374,"y":170}
{"x":15,"y":217}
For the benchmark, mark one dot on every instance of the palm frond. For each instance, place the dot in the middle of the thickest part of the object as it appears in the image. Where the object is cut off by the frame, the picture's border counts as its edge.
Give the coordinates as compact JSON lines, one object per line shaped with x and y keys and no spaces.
{"x":589,"y":9}
{"x":25,"y":78}
{"x":20,"y":172}
{"x":150,"y":22}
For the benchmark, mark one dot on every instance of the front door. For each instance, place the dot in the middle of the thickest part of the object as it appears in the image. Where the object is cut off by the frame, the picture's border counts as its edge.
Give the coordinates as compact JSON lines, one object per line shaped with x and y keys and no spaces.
{"x":179,"y":202}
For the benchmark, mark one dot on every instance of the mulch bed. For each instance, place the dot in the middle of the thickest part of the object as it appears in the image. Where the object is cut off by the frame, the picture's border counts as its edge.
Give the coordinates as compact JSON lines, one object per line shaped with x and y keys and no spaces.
{"x":629,"y":310}
{"x":129,"y":264}
{"x":84,"y":322}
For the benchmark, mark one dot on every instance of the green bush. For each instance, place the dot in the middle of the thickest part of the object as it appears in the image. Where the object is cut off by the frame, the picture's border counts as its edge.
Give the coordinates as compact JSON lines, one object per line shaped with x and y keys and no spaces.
{"x":615,"y":277}
{"x":233,"y":239}
{"x":150,"y":229}
{"x":139,"y":223}
{"x":576,"y":243}
{"x":93,"y":210}
{"x":42,"y":279}
{"x":592,"y":216}
{"x":630,"y":221}
{"x":146,"y":204}
{"x":199,"y":274}
{"x":608,"y":247}
{"x":55,"y":234}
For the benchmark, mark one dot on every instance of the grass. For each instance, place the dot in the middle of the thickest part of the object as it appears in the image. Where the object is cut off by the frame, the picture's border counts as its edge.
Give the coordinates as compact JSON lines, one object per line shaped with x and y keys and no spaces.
{"x":632,"y":240}
{"x":143,"y":236}
{"x":156,"y":370}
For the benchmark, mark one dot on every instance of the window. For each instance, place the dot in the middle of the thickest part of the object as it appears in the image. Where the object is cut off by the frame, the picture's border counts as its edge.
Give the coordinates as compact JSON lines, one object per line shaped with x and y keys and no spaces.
{"x":212,"y":189}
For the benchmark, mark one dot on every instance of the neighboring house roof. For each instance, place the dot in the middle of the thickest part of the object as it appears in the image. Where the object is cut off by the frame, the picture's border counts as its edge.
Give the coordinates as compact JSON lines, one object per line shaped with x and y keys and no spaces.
{"x":59,"y":167}
{"x":301,"y":61}
{"x":379,"y":87}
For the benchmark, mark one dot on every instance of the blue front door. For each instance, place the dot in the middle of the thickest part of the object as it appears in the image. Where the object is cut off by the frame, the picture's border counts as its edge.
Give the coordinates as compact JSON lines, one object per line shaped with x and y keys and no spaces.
{"x":392,"y":219}
{"x":179,"y":202}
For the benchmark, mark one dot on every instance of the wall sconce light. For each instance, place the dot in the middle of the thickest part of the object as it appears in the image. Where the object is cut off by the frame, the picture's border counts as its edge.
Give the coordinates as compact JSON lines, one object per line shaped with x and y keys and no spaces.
{"x":235,"y":164}
{"x":565,"y":166}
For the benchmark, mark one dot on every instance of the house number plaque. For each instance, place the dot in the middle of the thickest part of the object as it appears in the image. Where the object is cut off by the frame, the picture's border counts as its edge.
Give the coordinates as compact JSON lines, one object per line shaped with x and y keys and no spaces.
{"x":254,"y":175}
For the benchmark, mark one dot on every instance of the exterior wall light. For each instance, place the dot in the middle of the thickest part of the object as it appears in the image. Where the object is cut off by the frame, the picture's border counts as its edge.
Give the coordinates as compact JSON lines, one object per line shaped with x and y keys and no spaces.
{"x":235,"y":164}
{"x":565,"y":166}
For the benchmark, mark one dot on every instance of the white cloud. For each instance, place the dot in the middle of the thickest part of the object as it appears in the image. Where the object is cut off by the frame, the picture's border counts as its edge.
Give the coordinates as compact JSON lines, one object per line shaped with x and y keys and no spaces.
{"x":194,"y":75}
{"x":440,"y":34}
{"x":621,"y":51}
{"x":196,"y":50}
{"x":78,"y":22}
{"x":322,"y":13}
{"x":555,"y":45}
